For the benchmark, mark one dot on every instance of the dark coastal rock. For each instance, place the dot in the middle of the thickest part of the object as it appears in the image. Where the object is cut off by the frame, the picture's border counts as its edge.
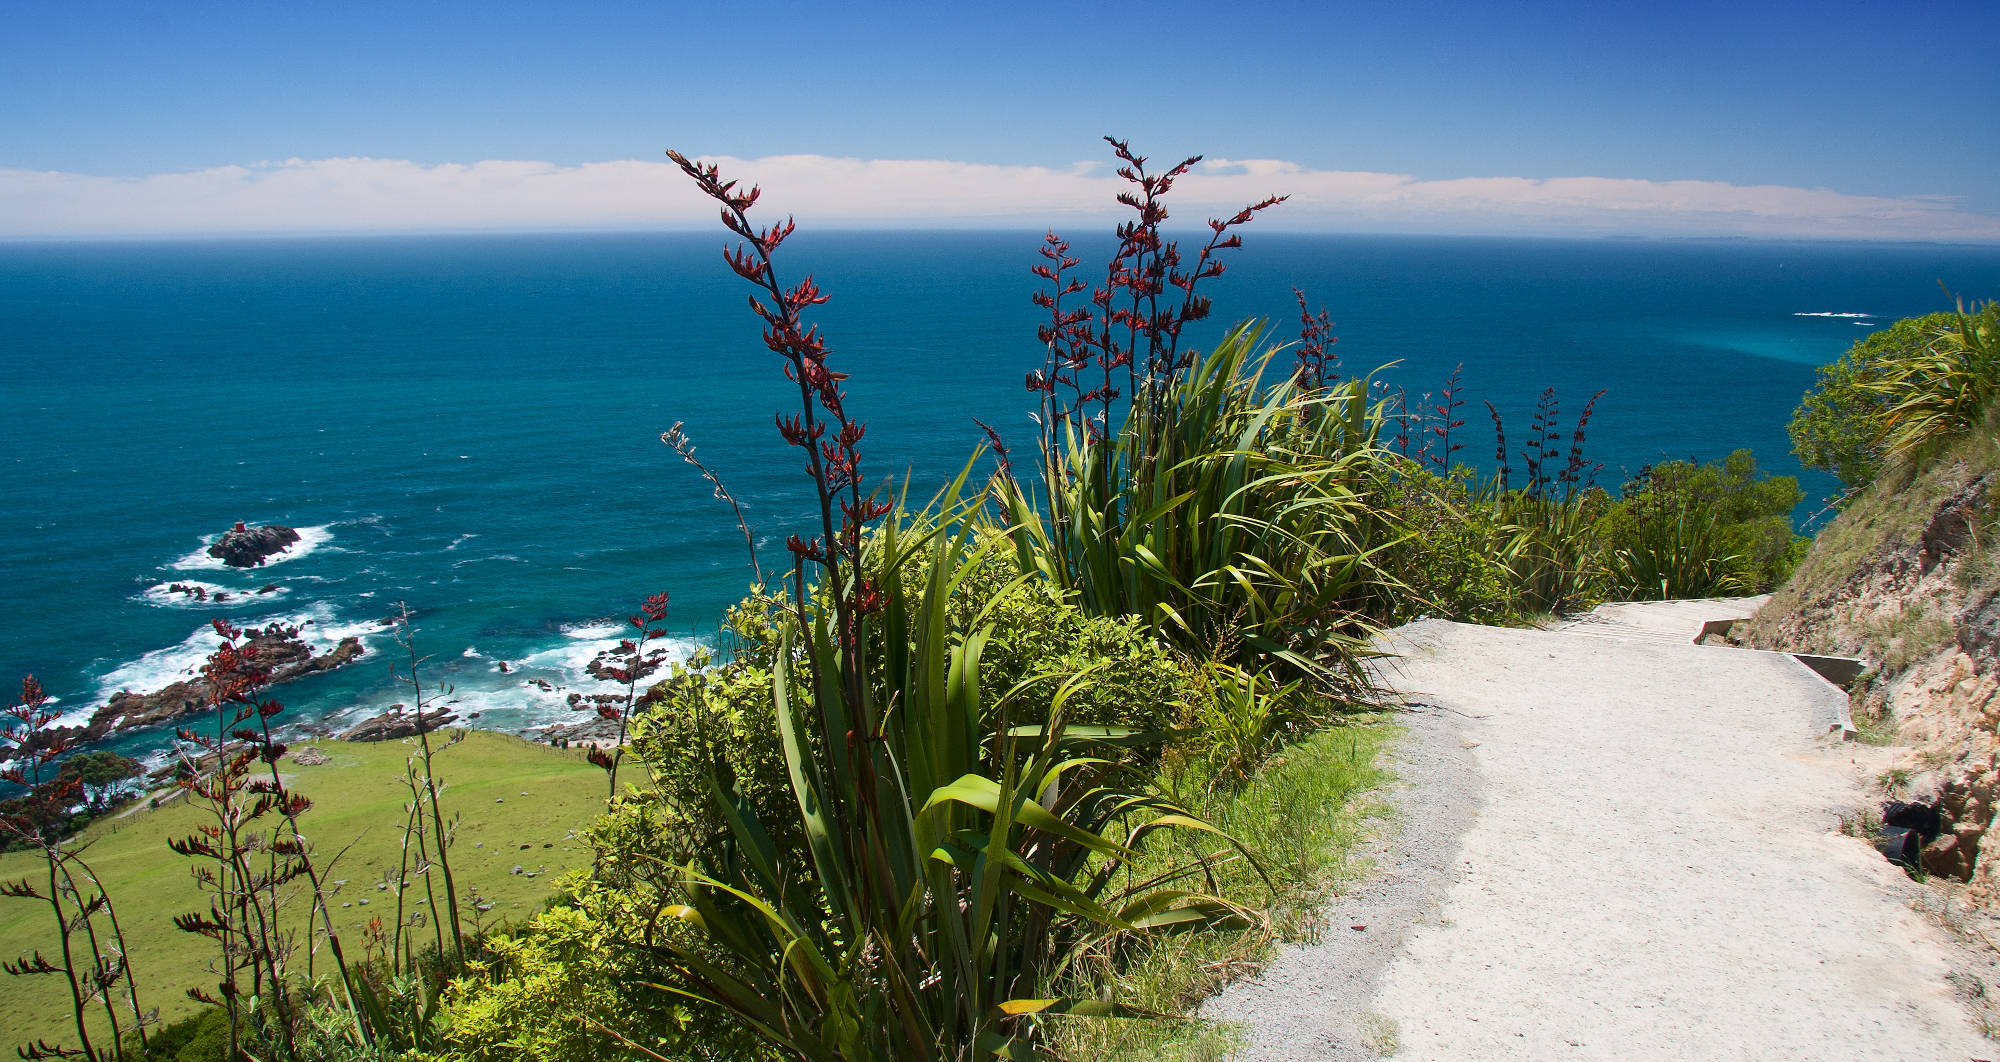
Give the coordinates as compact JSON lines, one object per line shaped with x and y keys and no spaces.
{"x":397,"y":723}
{"x":247,"y":547}
{"x":286,"y":656}
{"x":595,"y":730}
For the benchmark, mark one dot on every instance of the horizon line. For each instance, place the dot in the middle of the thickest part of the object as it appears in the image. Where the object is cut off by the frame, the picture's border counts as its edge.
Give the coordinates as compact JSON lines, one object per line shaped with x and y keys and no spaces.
{"x":1035,"y":231}
{"x":373,"y":196}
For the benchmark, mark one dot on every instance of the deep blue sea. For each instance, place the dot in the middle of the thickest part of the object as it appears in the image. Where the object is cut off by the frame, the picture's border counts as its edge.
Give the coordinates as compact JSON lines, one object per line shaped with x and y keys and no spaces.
{"x":470,"y":424}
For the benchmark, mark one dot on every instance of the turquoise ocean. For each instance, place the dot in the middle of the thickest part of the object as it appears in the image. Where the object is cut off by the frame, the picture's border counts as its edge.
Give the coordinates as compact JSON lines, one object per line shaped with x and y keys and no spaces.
{"x":470,"y":424}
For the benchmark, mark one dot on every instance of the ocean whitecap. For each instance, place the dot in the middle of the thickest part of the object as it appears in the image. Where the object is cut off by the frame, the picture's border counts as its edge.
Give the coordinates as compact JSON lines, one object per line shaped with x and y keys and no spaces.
{"x":192,"y":593}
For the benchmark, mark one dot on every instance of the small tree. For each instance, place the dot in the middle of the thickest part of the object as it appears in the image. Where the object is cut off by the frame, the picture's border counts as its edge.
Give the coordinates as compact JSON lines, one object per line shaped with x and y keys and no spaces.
{"x":100,"y":772}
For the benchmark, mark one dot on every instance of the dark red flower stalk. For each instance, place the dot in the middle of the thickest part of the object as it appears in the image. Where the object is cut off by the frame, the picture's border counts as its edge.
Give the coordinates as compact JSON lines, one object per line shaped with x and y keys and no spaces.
{"x":1446,"y":412}
{"x":30,"y":745}
{"x":1578,"y":474}
{"x":1500,"y":458}
{"x":1144,"y":266}
{"x":631,"y":663}
{"x":830,"y":438}
{"x":822,"y":427}
{"x":1543,"y":437}
{"x":1134,"y":322}
{"x":1315,"y":365}
{"x":1066,"y":340}
{"x":218,"y":773}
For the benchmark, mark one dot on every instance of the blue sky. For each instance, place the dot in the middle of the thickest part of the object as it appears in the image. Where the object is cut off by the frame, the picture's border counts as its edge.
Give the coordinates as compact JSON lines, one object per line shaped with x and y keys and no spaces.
{"x":1881,"y":101}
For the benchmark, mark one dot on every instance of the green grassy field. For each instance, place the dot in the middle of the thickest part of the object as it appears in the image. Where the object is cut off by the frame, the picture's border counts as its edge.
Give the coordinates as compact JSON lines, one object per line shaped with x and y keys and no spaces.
{"x":519,"y":803}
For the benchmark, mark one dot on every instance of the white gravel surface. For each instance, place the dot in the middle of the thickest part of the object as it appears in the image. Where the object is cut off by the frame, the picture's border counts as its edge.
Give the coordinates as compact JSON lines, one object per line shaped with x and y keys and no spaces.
{"x":1614,"y":848}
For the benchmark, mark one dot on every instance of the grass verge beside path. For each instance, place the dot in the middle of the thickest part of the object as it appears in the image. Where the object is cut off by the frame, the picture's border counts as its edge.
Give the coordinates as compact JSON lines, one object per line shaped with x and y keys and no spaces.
{"x":1302,"y":816}
{"x":519,"y":804}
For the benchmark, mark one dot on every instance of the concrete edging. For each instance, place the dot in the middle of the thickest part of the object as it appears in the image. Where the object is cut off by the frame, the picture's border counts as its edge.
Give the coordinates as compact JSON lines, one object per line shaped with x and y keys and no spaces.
{"x":1836,"y":671}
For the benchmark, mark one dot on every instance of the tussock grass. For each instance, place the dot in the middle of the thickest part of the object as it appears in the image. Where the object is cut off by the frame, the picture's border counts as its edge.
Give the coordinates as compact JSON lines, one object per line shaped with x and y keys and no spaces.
{"x":1302,"y":816}
{"x":358,"y":799}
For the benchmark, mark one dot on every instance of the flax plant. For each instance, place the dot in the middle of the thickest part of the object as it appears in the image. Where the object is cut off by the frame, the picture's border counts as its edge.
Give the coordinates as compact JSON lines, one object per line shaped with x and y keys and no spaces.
{"x":1680,"y":554}
{"x":76,"y":899}
{"x":425,"y":792}
{"x":1206,"y":501}
{"x":1550,"y":547}
{"x":1940,"y":392}
{"x":1228,"y":510}
{"x":952,"y":861}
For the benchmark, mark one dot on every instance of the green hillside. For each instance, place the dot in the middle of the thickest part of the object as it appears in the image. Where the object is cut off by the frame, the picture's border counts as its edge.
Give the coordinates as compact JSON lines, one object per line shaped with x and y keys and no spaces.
{"x":519,"y":803}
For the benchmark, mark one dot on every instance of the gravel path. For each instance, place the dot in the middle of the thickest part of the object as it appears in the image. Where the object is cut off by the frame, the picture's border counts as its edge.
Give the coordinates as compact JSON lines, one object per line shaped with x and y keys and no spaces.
{"x":1614,"y":846}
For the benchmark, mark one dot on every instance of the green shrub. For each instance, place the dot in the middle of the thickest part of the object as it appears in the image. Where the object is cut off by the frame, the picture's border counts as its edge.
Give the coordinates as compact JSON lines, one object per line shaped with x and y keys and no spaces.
{"x":1451,"y":556}
{"x":543,"y":990}
{"x":200,"y":1037}
{"x":709,"y":715}
{"x":1703,"y":530}
{"x":1918,"y":377}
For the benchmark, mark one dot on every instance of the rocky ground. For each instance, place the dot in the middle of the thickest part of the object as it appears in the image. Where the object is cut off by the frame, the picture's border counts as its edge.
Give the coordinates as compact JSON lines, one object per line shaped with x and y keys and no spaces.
{"x":1908,"y":580}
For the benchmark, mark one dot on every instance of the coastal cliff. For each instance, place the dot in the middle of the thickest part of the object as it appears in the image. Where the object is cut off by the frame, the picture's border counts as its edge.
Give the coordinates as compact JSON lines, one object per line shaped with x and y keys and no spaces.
{"x":1908,"y":579}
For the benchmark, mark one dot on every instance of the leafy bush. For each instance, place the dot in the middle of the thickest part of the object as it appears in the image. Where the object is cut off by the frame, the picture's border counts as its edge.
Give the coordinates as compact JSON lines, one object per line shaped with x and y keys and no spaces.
{"x":1451,"y":558}
{"x":1928,"y":373}
{"x":1682,"y":529}
{"x":200,"y":1037}
{"x":566,"y":987}
{"x":1940,"y":392}
{"x":1038,"y":637}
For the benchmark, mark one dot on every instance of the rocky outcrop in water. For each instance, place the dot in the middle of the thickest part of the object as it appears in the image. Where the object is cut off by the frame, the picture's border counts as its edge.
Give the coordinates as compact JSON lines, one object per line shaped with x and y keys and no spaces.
{"x":286,"y":656}
{"x":248,"y":547}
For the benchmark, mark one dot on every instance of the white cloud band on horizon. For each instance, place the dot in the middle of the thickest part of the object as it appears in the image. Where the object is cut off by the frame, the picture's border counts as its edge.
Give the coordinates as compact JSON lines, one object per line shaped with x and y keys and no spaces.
{"x":389,"y":195}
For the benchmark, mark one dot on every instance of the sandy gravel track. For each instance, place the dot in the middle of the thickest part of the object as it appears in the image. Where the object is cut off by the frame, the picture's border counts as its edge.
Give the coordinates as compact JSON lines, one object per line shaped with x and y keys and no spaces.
{"x":1613,"y":845}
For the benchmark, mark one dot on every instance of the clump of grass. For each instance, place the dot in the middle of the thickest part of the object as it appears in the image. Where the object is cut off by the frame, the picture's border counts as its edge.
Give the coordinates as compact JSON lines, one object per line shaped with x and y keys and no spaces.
{"x":1300,"y":818}
{"x":1876,"y":726}
{"x":1380,"y":1034}
{"x":1864,"y":823}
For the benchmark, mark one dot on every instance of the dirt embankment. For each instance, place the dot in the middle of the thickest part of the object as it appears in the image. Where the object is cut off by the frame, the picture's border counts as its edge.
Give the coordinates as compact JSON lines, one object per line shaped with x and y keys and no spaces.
{"x":1908,"y":579}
